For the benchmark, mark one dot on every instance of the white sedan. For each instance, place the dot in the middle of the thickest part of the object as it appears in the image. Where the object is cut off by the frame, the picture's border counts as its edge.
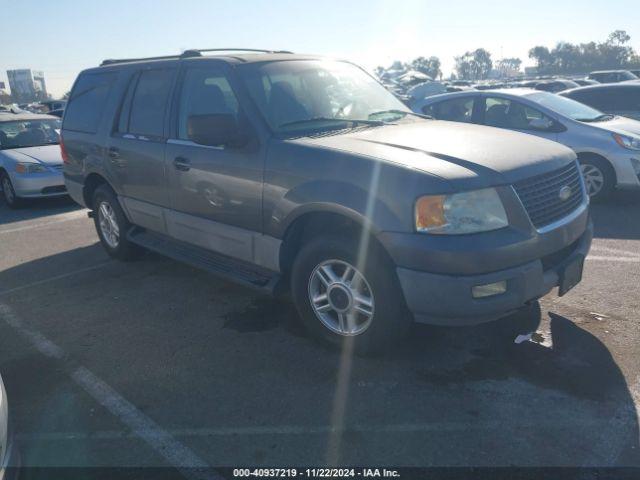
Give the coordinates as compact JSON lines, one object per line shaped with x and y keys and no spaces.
{"x":30,"y":159}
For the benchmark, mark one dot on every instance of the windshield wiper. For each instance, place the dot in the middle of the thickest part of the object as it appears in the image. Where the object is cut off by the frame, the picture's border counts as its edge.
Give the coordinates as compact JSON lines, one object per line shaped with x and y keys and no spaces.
{"x":352,"y":121}
{"x":599,"y":118}
{"x":401,"y":112}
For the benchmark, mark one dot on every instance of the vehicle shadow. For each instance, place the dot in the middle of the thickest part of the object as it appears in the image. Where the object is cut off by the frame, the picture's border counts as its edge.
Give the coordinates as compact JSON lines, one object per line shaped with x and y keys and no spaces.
{"x":37,"y":208}
{"x":618,"y":217}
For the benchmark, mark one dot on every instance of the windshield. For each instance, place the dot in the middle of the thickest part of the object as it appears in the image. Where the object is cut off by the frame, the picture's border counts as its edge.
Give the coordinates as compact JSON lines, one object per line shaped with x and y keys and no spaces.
{"x":310,"y":94}
{"x":29,"y":133}
{"x":567,"y":107}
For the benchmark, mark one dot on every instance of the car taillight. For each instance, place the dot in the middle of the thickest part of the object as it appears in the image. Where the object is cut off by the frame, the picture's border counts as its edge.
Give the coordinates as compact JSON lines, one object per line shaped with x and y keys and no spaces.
{"x":63,"y":151}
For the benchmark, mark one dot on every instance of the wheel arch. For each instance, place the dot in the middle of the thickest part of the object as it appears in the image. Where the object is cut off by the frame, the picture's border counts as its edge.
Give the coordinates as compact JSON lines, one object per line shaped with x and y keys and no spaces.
{"x":91,"y":183}
{"x":585,"y":155}
{"x":325,"y":220}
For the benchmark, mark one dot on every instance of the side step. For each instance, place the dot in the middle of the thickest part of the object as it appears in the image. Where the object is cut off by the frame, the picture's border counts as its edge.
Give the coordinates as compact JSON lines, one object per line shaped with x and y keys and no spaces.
{"x":219,"y":265}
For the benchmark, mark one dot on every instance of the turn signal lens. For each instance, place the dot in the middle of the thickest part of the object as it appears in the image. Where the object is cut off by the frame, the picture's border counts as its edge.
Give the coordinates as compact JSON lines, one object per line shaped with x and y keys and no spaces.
{"x":430,"y":212}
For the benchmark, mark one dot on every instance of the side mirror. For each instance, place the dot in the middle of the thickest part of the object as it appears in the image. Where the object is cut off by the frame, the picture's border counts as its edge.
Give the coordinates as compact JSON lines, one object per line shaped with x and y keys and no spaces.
{"x":216,"y":130}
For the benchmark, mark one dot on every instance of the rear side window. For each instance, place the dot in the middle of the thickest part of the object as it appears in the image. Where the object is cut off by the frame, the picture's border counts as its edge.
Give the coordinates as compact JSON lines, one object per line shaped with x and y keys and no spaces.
{"x":87,"y":101}
{"x":148,"y":105}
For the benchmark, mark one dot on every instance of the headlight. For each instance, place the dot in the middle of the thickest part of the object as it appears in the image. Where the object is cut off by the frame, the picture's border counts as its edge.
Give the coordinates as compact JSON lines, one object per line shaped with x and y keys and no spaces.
{"x":630,"y":143}
{"x":30,"y":168}
{"x":457,"y":213}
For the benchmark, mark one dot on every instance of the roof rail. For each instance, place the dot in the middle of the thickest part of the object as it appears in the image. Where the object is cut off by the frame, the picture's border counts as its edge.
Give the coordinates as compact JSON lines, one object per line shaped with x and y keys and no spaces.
{"x":201,"y":50}
{"x":188,"y":54}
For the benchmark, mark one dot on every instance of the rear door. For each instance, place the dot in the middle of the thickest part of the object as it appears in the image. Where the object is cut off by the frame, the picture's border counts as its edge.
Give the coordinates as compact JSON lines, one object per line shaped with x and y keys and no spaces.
{"x":136,"y":147}
{"x":215,"y":192}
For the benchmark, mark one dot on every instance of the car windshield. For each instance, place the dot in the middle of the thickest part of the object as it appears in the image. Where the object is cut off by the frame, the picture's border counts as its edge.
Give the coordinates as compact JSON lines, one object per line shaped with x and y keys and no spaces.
{"x":29,"y":133}
{"x":318,"y":95}
{"x":567,"y":107}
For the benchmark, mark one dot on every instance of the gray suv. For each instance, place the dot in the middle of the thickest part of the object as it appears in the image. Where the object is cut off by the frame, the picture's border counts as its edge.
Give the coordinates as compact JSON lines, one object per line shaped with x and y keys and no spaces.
{"x":294,"y":173}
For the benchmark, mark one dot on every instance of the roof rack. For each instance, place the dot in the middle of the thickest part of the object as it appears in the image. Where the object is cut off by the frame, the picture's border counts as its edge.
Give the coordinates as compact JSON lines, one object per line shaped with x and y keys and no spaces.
{"x":193,"y":52}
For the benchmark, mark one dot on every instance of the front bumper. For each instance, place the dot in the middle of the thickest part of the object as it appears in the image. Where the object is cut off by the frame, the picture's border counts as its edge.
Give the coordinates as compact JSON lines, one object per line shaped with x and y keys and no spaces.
{"x":447,"y":300}
{"x":46,"y":184}
{"x":626,"y":176}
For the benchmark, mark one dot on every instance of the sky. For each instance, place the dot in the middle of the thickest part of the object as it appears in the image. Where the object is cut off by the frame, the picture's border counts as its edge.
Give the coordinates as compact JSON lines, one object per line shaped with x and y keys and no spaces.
{"x":64,"y":36}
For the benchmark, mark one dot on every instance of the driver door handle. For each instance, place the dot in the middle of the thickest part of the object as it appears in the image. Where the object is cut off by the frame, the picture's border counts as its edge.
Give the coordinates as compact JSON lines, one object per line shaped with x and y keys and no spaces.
{"x":182,"y":164}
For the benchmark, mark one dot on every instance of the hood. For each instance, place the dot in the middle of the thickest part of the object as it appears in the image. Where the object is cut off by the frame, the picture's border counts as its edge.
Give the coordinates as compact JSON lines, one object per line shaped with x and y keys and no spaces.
{"x":472,"y":155}
{"x":621,"y":125}
{"x":46,"y":154}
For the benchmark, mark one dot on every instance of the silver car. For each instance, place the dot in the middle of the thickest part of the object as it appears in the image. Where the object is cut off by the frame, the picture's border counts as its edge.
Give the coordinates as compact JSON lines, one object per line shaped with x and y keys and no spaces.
{"x":8,"y":452}
{"x":30,"y":159}
{"x":608,"y":146}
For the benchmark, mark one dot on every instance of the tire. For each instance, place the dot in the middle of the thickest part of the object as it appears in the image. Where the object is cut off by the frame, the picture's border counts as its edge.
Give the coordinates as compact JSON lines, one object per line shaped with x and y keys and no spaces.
{"x":112,"y":225}
{"x":386,"y":319}
{"x":8,"y":193}
{"x":599,"y":177}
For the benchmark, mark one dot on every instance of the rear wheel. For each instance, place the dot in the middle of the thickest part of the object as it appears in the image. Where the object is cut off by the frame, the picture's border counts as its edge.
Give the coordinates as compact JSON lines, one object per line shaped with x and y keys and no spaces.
{"x":112,"y":225}
{"x":341,"y":299}
{"x":8,"y":193}
{"x":599,"y":177}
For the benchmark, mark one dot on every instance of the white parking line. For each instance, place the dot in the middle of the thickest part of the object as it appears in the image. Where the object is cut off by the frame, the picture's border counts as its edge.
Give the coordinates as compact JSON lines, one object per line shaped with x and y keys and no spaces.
{"x":63,"y":217}
{"x":175,"y":453}
{"x":614,"y":259}
{"x":598,"y":248}
{"x":53,"y":279}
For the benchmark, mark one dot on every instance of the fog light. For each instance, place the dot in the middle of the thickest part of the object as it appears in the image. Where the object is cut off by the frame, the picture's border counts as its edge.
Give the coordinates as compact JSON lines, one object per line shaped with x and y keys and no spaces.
{"x":489,"y":289}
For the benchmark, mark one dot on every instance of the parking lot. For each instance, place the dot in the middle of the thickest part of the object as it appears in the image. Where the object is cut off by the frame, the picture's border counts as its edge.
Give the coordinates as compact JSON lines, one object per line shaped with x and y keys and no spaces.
{"x":153,"y":363}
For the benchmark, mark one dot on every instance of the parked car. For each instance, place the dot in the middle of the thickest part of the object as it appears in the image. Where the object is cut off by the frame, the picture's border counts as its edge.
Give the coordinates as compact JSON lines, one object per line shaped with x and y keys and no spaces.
{"x":556,"y":85}
{"x":56,"y":113}
{"x":30,"y":160}
{"x":617,"y":98}
{"x":295,"y":173}
{"x":608,"y":147}
{"x":8,"y":451}
{"x":584,"y":82}
{"x":612,"y":76}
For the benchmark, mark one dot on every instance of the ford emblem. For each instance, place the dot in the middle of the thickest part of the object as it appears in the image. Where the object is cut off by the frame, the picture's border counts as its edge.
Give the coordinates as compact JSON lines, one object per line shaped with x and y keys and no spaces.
{"x":565,"y":193}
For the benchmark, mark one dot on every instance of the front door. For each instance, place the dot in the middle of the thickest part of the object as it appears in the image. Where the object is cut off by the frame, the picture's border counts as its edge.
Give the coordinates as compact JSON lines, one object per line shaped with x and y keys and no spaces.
{"x":507,"y":113}
{"x":215,"y":191}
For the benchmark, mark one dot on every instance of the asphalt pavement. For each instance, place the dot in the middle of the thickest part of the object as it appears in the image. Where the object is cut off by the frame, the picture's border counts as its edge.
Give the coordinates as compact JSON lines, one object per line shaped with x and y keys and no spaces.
{"x":153,"y":363}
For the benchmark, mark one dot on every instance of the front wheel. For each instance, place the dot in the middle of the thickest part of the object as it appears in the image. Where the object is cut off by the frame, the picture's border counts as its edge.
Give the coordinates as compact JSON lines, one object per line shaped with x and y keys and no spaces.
{"x":8,"y":193}
{"x":345,"y":297}
{"x":599,"y":178}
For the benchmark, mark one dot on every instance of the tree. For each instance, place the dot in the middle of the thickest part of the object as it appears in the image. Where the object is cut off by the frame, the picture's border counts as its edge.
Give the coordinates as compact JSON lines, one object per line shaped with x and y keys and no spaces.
{"x":542,"y":57}
{"x":509,"y":66}
{"x":474,"y":65}
{"x":429,"y":66}
{"x":567,"y":58}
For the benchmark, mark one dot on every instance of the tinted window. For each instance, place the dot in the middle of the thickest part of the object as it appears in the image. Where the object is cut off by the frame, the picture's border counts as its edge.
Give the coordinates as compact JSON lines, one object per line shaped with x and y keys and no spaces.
{"x":456,"y":110}
{"x":87,"y":101}
{"x":597,"y":98}
{"x":505,"y":113}
{"x":125,"y":108}
{"x":149,"y":103}
{"x":205,"y":91}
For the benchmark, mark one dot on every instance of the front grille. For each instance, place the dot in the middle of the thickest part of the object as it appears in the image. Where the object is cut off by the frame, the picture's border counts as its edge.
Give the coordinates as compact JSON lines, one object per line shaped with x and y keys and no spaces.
{"x":540,"y":195}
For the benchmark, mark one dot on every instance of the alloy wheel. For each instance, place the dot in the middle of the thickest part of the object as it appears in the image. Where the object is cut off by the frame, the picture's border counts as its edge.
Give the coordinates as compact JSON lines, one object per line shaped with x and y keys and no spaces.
{"x":593,"y":178}
{"x":341,"y":297}
{"x":108,"y":224}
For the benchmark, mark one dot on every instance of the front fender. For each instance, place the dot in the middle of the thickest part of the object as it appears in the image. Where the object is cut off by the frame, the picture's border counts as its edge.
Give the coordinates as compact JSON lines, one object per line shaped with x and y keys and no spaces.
{"x":351,"y":201}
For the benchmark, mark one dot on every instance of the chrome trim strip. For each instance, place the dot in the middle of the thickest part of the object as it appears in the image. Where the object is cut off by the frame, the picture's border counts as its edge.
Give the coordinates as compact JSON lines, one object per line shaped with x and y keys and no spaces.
{"x":189,"y":143}
{"x":563,"y":221}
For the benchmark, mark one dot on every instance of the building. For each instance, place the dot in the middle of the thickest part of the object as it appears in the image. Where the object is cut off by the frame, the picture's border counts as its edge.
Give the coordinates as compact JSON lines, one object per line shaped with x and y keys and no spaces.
{"x":27,"y":85}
